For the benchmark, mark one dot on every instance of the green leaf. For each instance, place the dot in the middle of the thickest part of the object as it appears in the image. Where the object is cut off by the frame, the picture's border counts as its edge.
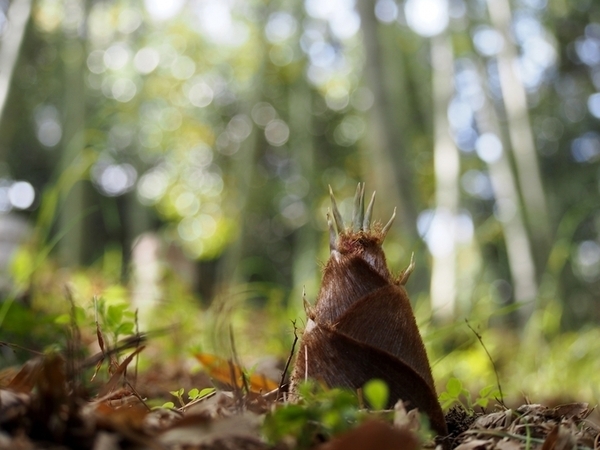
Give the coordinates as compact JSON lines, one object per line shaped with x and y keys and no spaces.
{"x":483,"y":402}
{"x":206,"y":391}
{"x":445,"y":396}
{"x":63,"y":319}
{"x":376,"y":392}
{"x":114,"y":314}
{"x":489,"y":392}
{"x":125,"y":328}
{"x":178,"y":393}
{"x":193,"y":393}
{"x":289,"y":420}
{"x":454,"y":387}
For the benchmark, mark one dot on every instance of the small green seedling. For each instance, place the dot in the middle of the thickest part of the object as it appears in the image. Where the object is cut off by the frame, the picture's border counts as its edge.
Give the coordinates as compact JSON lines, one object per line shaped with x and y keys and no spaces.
{"x":456,"y":394}
{"x":196,"y":394}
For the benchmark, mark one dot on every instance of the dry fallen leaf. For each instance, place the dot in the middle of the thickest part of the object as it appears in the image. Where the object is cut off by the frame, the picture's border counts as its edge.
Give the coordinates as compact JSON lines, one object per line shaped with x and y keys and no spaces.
{"x":506,"y":444}
{"x":559,"y":439}
{"x":223,"y":370}
{"x":499,"y":419}
{"x":199,"y":431}
{"x":13,"y":405}
{"x":564,"y":427}
{"x":27,"y":376}
{"x":571,"y":410}
{"x":374,"y":435}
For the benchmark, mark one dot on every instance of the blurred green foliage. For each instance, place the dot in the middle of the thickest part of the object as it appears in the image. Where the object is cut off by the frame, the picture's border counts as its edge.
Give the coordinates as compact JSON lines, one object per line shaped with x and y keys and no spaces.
{"x":457,"y":394}
{"x":322,"y":412}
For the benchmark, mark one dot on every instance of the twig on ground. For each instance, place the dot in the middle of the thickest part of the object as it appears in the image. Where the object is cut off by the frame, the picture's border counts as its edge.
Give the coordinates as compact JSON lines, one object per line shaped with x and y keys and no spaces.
{"x":288,"y":362}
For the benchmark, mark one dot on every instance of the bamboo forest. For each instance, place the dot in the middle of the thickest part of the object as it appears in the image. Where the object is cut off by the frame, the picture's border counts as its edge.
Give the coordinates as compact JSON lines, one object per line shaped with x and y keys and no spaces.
{"x":180,"y":172}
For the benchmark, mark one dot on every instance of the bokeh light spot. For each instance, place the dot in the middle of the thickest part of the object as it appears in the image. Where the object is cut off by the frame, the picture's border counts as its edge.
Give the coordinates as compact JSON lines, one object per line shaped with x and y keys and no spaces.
{"x":152,"y":185}
{"x":488,"y":41}
{"x":95,"y":61}
{"x":386,"y":11}
{"x":277,"y":132}
{"x":130,"y":20}
{"x":200,"y":94}
{"x":586,"y":148}
{"x":337,"y":98}
{"x":183,"y":68}
{"x":593,"y":104}
{"x":239,"y":127}
{"x":146,"y":60}
{"x":21,"y":195}
{"x":280,"y":26}
{"x":123,"y":90}
{"x":114,"y":179}
{"x":489,"y":148}
{"x":427,"y":17}
{"x":587,"y":260}
{"x":263,"y":113}
{"x":161,"y":10}
{"x":349,"y":131}
{"x":48,"y":126}
{"x":117,"y":55}
{"x":477,"y":184}
{"x":281,"y":55}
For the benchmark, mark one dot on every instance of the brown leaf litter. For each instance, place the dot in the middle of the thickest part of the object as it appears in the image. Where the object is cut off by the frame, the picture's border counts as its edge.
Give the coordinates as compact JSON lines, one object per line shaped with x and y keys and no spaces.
{"x":530,"y":426}
{"x":46,"y":406}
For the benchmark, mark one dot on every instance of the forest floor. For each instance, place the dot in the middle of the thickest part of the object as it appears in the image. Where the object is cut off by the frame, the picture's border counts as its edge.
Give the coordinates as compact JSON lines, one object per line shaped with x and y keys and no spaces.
{"x":44,"y":405}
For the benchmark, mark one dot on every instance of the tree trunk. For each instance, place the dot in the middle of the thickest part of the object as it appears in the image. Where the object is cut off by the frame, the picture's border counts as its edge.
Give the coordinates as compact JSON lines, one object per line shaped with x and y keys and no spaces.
{"x":446,"y":161}
{"x":521,"y":136}
{"x":509,"y":211}
{"x":73,"y":205}
{"x":18,"y":18}
{"x":302,"y":147}
{"x":391,"y":162}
